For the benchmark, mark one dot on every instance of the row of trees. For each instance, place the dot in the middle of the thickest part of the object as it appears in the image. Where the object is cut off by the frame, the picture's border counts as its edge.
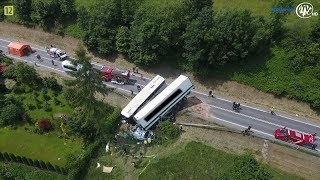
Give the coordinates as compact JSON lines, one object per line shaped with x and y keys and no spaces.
{"x":45,"y":13}
{"x":148,"y":31}
{"x":151,"y":30}
{"x":30,"y":162}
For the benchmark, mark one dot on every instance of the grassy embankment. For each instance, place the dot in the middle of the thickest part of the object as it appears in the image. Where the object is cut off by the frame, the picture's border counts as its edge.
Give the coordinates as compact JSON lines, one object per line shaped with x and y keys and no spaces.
{"x":195,"y":160}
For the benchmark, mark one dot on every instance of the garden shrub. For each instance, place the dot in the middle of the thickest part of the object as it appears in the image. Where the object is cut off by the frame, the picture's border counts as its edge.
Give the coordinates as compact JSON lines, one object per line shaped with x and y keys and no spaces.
{"x":31,"y":107}
{"x":166,"y":131}
{"x":10,"y":114}
{"x":77,"y":168}
{"x":51,"y":83}
{"x":46,"y":97}
{"x":47,"y":108}
{"x":6,"y":156}
{"x":247,"y":167}
{"x":44,"y":125}
{"x":56,"y":101}
{"x":20,"y":171}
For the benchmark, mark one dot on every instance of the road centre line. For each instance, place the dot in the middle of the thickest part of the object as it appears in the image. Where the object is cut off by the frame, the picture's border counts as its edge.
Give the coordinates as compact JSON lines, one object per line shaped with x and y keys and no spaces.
{"x":193,"y":91}
{"x":258,"y":119}
{"x":214,"y":117}
{"x":254,"y":130}
{"x":142,"y":85}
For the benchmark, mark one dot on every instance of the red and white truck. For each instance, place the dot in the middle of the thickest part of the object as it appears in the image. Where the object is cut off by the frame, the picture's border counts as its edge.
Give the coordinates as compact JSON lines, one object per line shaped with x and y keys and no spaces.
{"x":298,"y":138}
{"x":117,"y":76}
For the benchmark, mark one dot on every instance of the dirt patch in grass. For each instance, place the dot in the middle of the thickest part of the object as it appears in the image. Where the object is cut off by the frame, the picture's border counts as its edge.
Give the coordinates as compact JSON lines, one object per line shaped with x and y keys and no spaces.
{"x":229,"y":89}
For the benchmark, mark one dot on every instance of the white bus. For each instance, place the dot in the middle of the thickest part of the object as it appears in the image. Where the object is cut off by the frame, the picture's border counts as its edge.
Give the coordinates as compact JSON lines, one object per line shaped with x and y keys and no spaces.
{"x":68,"y":66}
{"x":149,"y":90}
{"x":163,"y":102}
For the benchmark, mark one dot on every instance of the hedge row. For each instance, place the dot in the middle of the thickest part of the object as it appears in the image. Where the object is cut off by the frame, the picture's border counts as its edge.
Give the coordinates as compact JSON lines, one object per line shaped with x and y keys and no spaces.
{"x":78,"y":168}
{"x":4,"y":156}
{"x":12,"y":170}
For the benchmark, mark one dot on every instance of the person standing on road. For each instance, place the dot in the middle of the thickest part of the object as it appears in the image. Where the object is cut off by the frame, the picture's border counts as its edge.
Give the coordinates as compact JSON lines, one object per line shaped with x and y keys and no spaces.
{"x":52,"y":61}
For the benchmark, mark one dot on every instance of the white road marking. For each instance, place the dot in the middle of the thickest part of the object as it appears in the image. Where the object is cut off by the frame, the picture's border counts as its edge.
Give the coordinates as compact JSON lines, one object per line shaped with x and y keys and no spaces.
{"x":254,"y":130}
{"x":214,"y":117}
{"x":257,"y":119}
{"x":192,"y":90}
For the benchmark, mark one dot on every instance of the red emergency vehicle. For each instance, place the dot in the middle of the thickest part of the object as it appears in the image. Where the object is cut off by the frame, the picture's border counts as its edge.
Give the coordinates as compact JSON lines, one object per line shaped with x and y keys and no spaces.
{"x":114,"y":74}
{"x":301,"y":139}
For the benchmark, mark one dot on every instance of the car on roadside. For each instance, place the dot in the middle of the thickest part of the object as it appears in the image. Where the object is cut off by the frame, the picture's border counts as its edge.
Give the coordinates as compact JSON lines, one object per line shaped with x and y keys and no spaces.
{"x":118,"y":82}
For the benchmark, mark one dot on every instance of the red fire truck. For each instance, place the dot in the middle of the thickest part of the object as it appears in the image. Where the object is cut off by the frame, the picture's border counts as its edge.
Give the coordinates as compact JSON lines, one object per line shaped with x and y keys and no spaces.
{"x":115,"y":75}
{"x":301,"y":139}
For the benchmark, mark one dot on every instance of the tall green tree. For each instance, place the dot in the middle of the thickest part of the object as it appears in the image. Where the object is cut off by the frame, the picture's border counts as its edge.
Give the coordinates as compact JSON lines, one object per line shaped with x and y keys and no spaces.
{"x":156,"y":31}
{"x":10,"y":114}
{"x":87,"y":82}
{"x":22,"y":73}
{"x":45,"y":13}
{"x":237,"y":34}
{"x":197,"y":42}
{"x":123,"y":39}
{"x":23,"y":9}
{"x":278,"y":19}
{"x":50,"y":13}
{"x":315,"y":32}
{"x":100,"y":26}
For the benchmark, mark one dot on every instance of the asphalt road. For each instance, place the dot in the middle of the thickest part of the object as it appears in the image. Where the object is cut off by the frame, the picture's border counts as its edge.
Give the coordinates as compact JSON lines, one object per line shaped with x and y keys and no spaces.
{"x":262,"y":122}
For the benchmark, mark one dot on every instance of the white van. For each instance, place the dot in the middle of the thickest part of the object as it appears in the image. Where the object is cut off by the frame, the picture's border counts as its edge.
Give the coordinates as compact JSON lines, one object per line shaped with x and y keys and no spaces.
{"x":68,"y":66}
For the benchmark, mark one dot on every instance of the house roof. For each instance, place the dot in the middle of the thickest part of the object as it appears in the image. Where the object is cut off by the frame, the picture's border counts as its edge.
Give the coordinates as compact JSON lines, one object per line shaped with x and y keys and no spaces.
{"x":17,"y":45}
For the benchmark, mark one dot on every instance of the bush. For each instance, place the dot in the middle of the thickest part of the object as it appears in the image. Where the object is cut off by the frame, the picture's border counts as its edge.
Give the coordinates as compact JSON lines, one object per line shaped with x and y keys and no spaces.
{"x":46,"y":97}
{"x":56,"y":101}
{"x":47,"y":108}
{"x":21,"y":171}
{"x":31,"y":107}
{"x":166,"y":131}
{"x":44,"y":125}
{"x":6,"y":156}
{"x":10,"y":114}
{"x":51,"y":83}
{"x":247,"y":167}
{"x":77,"y":168}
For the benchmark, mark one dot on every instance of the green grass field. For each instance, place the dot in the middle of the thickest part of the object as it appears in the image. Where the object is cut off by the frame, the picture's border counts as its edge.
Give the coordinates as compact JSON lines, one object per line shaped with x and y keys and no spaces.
{"x":193,"y":160}
{"x":46,"y":147}
{"x":198,"y":161}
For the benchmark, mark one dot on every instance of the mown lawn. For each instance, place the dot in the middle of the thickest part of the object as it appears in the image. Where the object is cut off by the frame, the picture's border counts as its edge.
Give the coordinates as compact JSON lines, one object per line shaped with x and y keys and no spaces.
{"x":46,"y":147}
{"x":198,"y":161}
